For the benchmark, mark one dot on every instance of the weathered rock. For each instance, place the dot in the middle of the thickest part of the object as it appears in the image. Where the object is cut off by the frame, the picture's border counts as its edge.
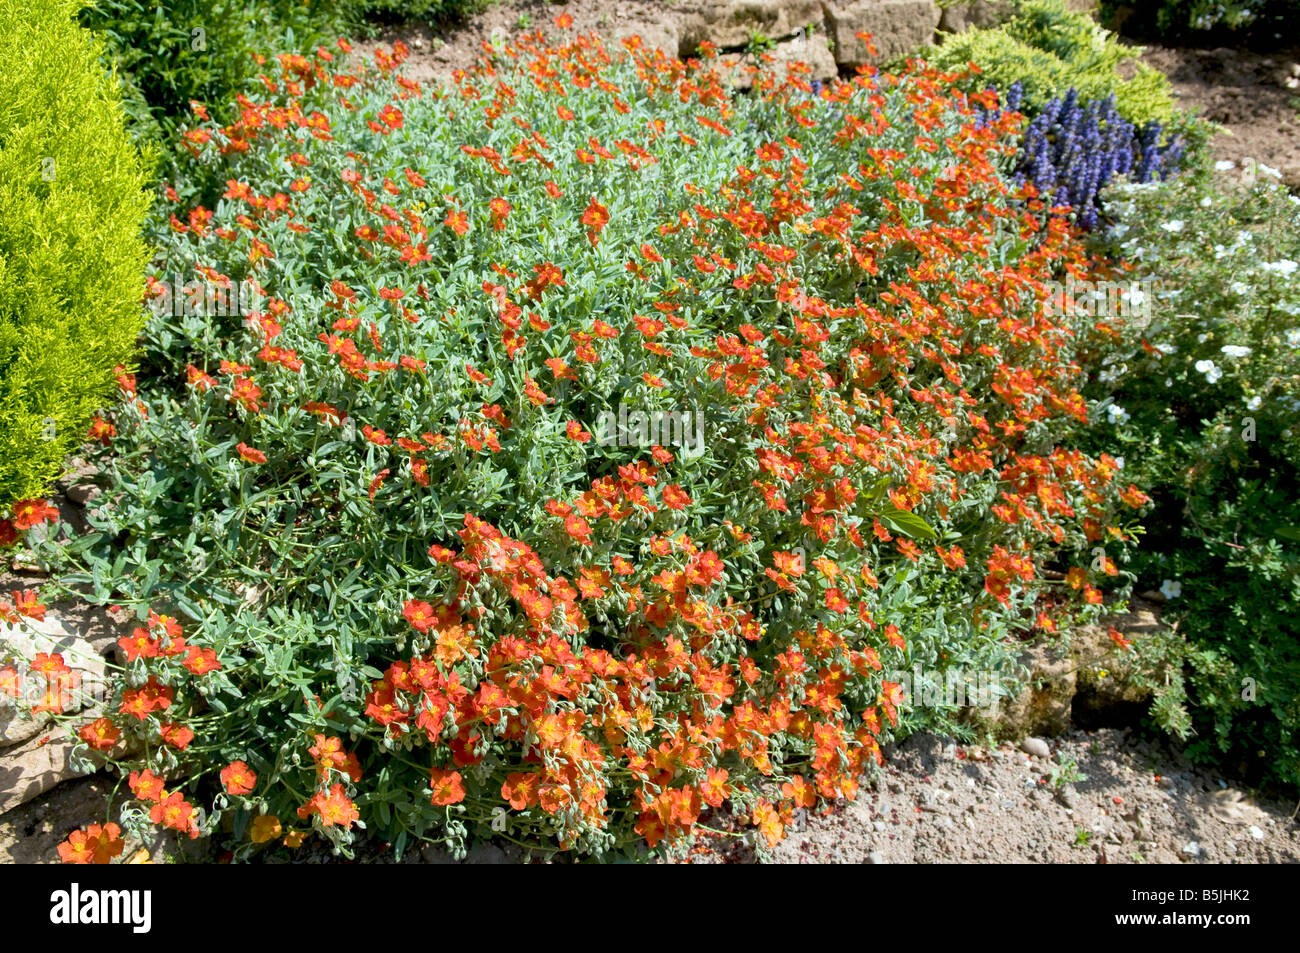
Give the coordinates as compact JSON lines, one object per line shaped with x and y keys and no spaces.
{"x":662,"y":35}
{"x":83,"y":493}
{"x":1105,"y":672}
{"x":810,"y":50}
{"x":32,"y":768}
{"x":736,"y":23}
{"x":1044,"y":704}
{"x":977,"y":14}
{"x":897,"y":27}
{"x":19,"y":644}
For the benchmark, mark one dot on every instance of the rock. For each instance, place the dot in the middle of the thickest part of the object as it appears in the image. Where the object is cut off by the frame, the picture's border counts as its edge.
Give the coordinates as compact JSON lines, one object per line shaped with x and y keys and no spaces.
{"x":662,"y":35}
{"x":85,"y":689}
{"x":810,"y":51}
{"x":897,"y":28}
{"x":1256,"y":832}
{"x":1043,"y":705}
{"x":875,"y":857}
{"x":1067,"y":797}
{"x":1036,"y":747}
{"x":976,"y":14}
{"x":1193,"y":849}
{"x":83,"y":494}
{"x":735,"y":24}
{"x":31,"y":768}
{"x":1105,"y":673}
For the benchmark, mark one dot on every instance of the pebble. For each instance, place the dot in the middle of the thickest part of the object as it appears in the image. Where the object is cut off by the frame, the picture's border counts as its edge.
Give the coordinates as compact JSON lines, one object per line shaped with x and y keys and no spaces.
{"x":1256,"y":832}
{"x":83,"y":493}
{"x":1193,"y":849}
{"x":1036,"y":747}
{"x":875,"y":857}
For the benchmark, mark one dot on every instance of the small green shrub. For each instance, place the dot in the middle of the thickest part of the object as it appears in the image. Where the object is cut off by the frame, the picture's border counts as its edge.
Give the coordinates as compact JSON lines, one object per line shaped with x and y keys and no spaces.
{"x":1049,"y":50}
{"x":1203,"y":399}
{"x":71,"y":259}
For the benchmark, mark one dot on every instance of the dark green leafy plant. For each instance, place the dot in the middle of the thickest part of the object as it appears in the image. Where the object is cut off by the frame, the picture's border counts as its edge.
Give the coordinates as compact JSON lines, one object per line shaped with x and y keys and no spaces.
{"x":1204,"y":401}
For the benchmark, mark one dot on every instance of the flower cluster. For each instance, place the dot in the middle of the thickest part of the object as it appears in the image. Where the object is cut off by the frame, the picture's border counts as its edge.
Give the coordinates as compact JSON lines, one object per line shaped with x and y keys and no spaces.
{"x":430,"y":603}
{"x":1073,"y":150}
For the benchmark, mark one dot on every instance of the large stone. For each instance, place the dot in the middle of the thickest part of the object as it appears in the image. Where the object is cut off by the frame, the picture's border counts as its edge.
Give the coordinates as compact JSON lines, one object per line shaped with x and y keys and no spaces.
{"x":661,"y":35}
{"x":1106,"y":674}
{"x":810,"y":50}
{"x":32,"y":768}
{"x":974,"y":15}
{"x":897,"y":28}
{"x":736,"y":23}
{"x":1044,"y":704}
{"x":19,"y":644}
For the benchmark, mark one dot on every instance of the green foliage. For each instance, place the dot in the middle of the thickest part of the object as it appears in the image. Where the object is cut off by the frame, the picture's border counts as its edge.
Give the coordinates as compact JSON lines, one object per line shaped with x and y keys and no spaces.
{"x":1050,"y":50}
{"x":1230,"y":20}
{"x":167,"y":54}
{"x":1207,"y":412}
{"x":71,"y":259}
{"x":427,"y":11}
{"x":463,"y":289}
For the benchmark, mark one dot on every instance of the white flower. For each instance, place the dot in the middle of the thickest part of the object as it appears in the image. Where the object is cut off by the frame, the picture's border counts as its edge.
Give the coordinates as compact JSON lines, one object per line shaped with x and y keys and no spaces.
{"x":1117,"y":414}
{"x":1165,"y":349}
{"x":1171,"y":589}
{"x":1223,"y":165}
{"x":1268,"y":170}
{"x":1210,"y":370}
{"x":1175,"y":226}
{"x":1292,"y":338}
{"x":1286,"y":267}
{"x":1205,"y":202}
{"x":1119,"y":462}
{"x":1255,"y":403}
{"x":1235,"y":350}
{"x":1239,"y":287}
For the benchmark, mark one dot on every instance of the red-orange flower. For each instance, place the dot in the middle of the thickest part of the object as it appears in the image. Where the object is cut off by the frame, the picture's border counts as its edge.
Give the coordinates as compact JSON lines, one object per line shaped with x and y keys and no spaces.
{"x":237,"y":778}
{"x":448,"y":787}
{"x":95,"y":845}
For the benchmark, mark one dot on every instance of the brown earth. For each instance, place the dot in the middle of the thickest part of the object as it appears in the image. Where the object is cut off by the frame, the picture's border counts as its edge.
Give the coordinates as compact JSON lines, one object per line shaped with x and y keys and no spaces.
{"x":1255,"y":97}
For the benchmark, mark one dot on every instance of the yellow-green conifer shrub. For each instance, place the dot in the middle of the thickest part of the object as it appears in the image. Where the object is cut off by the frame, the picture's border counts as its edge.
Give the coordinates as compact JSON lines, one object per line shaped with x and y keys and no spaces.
{"x":71,"y":258}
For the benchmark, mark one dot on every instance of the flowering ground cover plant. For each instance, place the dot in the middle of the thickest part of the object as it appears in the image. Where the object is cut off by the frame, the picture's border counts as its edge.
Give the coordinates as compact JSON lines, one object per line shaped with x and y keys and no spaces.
{"x":391,"y":566}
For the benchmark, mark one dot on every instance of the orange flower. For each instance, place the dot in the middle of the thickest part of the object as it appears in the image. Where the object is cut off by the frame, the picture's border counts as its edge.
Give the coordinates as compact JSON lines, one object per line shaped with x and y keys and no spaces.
{"x":178,"y":736}
{"x":265,"y":827}
{"x":174,"y":812}
{"x":95,"y":845}
{"x":335,"y":809}
{"x":29,"y":513}
{"x":238,"y":778}
{"x":595,"y":217}
{"x":250,"y":454}
{"x":146,"y":785}
{"x":419,"y":614}
{"x":448,"y":787}
{"x":675,"y":497}
{"x":101,"y":734}
{"x":768,"y":822}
